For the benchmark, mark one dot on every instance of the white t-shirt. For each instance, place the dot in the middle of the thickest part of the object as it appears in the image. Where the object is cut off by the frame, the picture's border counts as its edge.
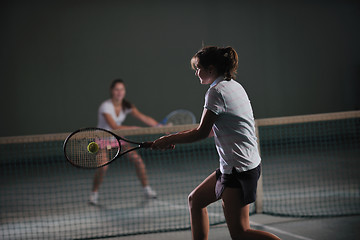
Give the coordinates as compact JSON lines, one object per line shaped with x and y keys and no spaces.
{"x":234,"y":128}
{"x":108,"y":107}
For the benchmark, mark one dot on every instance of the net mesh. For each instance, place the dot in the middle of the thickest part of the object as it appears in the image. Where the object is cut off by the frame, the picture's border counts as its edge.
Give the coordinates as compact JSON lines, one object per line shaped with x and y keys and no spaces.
{"x":45,"y":197}
{"x":310,"y":167}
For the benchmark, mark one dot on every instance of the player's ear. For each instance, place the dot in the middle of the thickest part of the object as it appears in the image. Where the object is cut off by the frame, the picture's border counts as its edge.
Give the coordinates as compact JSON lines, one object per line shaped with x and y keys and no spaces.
{"x":212,"y":69}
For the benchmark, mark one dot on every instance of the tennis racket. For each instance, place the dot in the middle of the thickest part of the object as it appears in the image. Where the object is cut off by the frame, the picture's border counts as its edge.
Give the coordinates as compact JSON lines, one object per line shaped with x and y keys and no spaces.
{"x":96,"y":147}
{"x":179,"y":117}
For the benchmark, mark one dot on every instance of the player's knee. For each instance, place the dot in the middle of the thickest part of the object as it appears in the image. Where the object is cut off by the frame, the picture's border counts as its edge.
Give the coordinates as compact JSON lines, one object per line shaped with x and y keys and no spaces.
{"x":240,"y":234}
{"x":136,"y":159}
{"x":103,"y":169}
{"x":133,"y":155}
{"x":192,"y":201}
{"x":139,"y":163}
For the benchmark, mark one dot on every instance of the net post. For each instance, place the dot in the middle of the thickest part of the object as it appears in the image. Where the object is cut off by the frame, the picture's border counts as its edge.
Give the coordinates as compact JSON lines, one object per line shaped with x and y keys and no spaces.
{"x":259,"y":189}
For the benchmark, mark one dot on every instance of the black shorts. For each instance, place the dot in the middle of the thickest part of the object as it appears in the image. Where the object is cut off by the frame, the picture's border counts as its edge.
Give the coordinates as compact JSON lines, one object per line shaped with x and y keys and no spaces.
{"x":246,"y":181}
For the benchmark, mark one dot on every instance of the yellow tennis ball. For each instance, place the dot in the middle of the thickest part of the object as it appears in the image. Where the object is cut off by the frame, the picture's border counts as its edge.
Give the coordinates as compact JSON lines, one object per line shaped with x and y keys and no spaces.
{"x":93,"y":147}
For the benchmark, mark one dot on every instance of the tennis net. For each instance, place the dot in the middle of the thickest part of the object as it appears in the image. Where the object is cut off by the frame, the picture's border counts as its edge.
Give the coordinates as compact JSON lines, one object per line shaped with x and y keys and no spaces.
{"x":310,"y":167}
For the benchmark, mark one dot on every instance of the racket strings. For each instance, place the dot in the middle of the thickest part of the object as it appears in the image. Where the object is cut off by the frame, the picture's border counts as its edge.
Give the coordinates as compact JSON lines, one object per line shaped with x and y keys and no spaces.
{"x":78,"y":153}
{"x":180,"y":117}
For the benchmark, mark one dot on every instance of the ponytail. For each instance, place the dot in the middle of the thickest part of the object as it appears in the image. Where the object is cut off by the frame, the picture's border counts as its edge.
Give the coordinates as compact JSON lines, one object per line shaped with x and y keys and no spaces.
{"x":225,"y":60}
{"x":230,"y":63}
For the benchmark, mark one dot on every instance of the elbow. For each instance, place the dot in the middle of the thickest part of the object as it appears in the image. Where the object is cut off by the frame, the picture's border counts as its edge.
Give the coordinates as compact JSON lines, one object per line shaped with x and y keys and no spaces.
{"x":202,"y":134}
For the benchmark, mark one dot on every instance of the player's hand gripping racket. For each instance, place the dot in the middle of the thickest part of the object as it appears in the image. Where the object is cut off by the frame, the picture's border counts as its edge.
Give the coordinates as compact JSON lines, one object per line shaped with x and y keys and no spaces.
{"x":96,"y":147}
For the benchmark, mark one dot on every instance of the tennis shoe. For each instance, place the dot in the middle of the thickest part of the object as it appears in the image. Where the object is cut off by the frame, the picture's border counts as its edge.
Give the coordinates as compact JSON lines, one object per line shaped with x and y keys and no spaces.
{"x":93,"y":198}
{"x":149,"y":193}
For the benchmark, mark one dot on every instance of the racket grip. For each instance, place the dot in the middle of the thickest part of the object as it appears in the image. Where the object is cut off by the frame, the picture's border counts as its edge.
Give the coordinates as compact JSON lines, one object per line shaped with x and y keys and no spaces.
{"x":171,"y":147}
{"x":146,"y":144}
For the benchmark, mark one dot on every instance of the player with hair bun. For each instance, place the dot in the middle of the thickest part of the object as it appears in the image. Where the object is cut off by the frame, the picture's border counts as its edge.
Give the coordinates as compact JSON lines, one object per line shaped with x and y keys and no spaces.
{"x":227,"y":111}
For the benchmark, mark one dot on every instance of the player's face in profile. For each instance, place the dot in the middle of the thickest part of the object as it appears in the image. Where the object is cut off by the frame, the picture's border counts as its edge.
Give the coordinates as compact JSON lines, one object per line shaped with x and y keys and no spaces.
{"x":203,"y":75}
{"x":118,"y":92}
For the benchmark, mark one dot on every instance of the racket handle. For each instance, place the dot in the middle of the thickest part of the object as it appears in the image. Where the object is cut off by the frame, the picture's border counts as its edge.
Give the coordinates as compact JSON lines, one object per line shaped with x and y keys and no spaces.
{"x":149,"y":144}
{"x":172,"y":146}
{"x":146,"y":144}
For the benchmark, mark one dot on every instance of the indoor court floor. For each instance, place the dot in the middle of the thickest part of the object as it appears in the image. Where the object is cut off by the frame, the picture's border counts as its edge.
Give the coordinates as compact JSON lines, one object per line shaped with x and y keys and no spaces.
{"x":332,"y":228}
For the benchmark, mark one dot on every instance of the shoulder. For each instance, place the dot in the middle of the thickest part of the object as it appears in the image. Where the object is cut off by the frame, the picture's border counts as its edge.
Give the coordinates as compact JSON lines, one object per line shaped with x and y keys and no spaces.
{"x":213,"y":92}
{"x":107,"y":104}
{"x":227,"y":84}
{"x":230,"y":87}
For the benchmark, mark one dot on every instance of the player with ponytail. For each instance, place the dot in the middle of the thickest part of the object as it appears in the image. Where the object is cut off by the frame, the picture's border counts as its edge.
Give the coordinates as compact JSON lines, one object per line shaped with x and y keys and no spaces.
{"x":227,"y":111}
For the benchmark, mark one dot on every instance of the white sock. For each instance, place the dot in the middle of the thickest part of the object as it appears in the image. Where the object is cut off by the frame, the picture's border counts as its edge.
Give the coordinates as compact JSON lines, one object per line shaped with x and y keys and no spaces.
{"x":147,"y":188}
{"x":94,"y":196}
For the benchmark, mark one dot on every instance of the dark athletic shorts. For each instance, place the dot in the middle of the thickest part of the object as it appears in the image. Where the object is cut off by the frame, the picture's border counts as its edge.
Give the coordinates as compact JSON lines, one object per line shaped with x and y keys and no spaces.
{"x":246,"y":181}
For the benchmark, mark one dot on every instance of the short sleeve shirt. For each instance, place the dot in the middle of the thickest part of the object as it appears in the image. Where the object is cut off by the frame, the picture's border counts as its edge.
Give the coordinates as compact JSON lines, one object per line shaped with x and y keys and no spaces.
{"x":234,"y":129}
{"x":108,"y":107}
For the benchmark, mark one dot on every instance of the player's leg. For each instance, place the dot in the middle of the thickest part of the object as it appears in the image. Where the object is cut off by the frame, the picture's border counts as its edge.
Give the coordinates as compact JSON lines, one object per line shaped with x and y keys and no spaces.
{"x":237,"y":217}
{"x":199,"y":199}
{"x":141,"y":174}
{"x":98,"y":178}
{"x":140,"y":167}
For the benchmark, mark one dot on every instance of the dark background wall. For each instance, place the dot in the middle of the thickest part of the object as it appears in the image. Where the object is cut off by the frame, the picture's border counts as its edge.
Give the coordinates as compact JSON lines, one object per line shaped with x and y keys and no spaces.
{"x":58,"y":57}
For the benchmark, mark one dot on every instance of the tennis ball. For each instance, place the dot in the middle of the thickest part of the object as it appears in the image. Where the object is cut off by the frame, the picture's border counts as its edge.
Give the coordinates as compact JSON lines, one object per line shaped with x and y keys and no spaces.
{"x":93,"y":147}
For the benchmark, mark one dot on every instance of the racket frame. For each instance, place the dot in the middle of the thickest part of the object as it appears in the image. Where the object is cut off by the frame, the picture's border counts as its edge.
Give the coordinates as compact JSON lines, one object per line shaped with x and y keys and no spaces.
{"x":193,"y":118}
{"x":118,"y":138}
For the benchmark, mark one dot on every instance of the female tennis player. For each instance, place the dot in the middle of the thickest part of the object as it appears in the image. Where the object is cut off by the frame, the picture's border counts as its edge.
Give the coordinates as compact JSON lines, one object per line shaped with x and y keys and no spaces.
{"x":227,"y":111}
{"x":111,"y":115}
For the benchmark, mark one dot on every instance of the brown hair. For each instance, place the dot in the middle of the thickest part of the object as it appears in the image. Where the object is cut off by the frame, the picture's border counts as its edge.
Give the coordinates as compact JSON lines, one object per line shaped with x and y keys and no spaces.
{"x":225,"y":60}
{"x":125,"y":103}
